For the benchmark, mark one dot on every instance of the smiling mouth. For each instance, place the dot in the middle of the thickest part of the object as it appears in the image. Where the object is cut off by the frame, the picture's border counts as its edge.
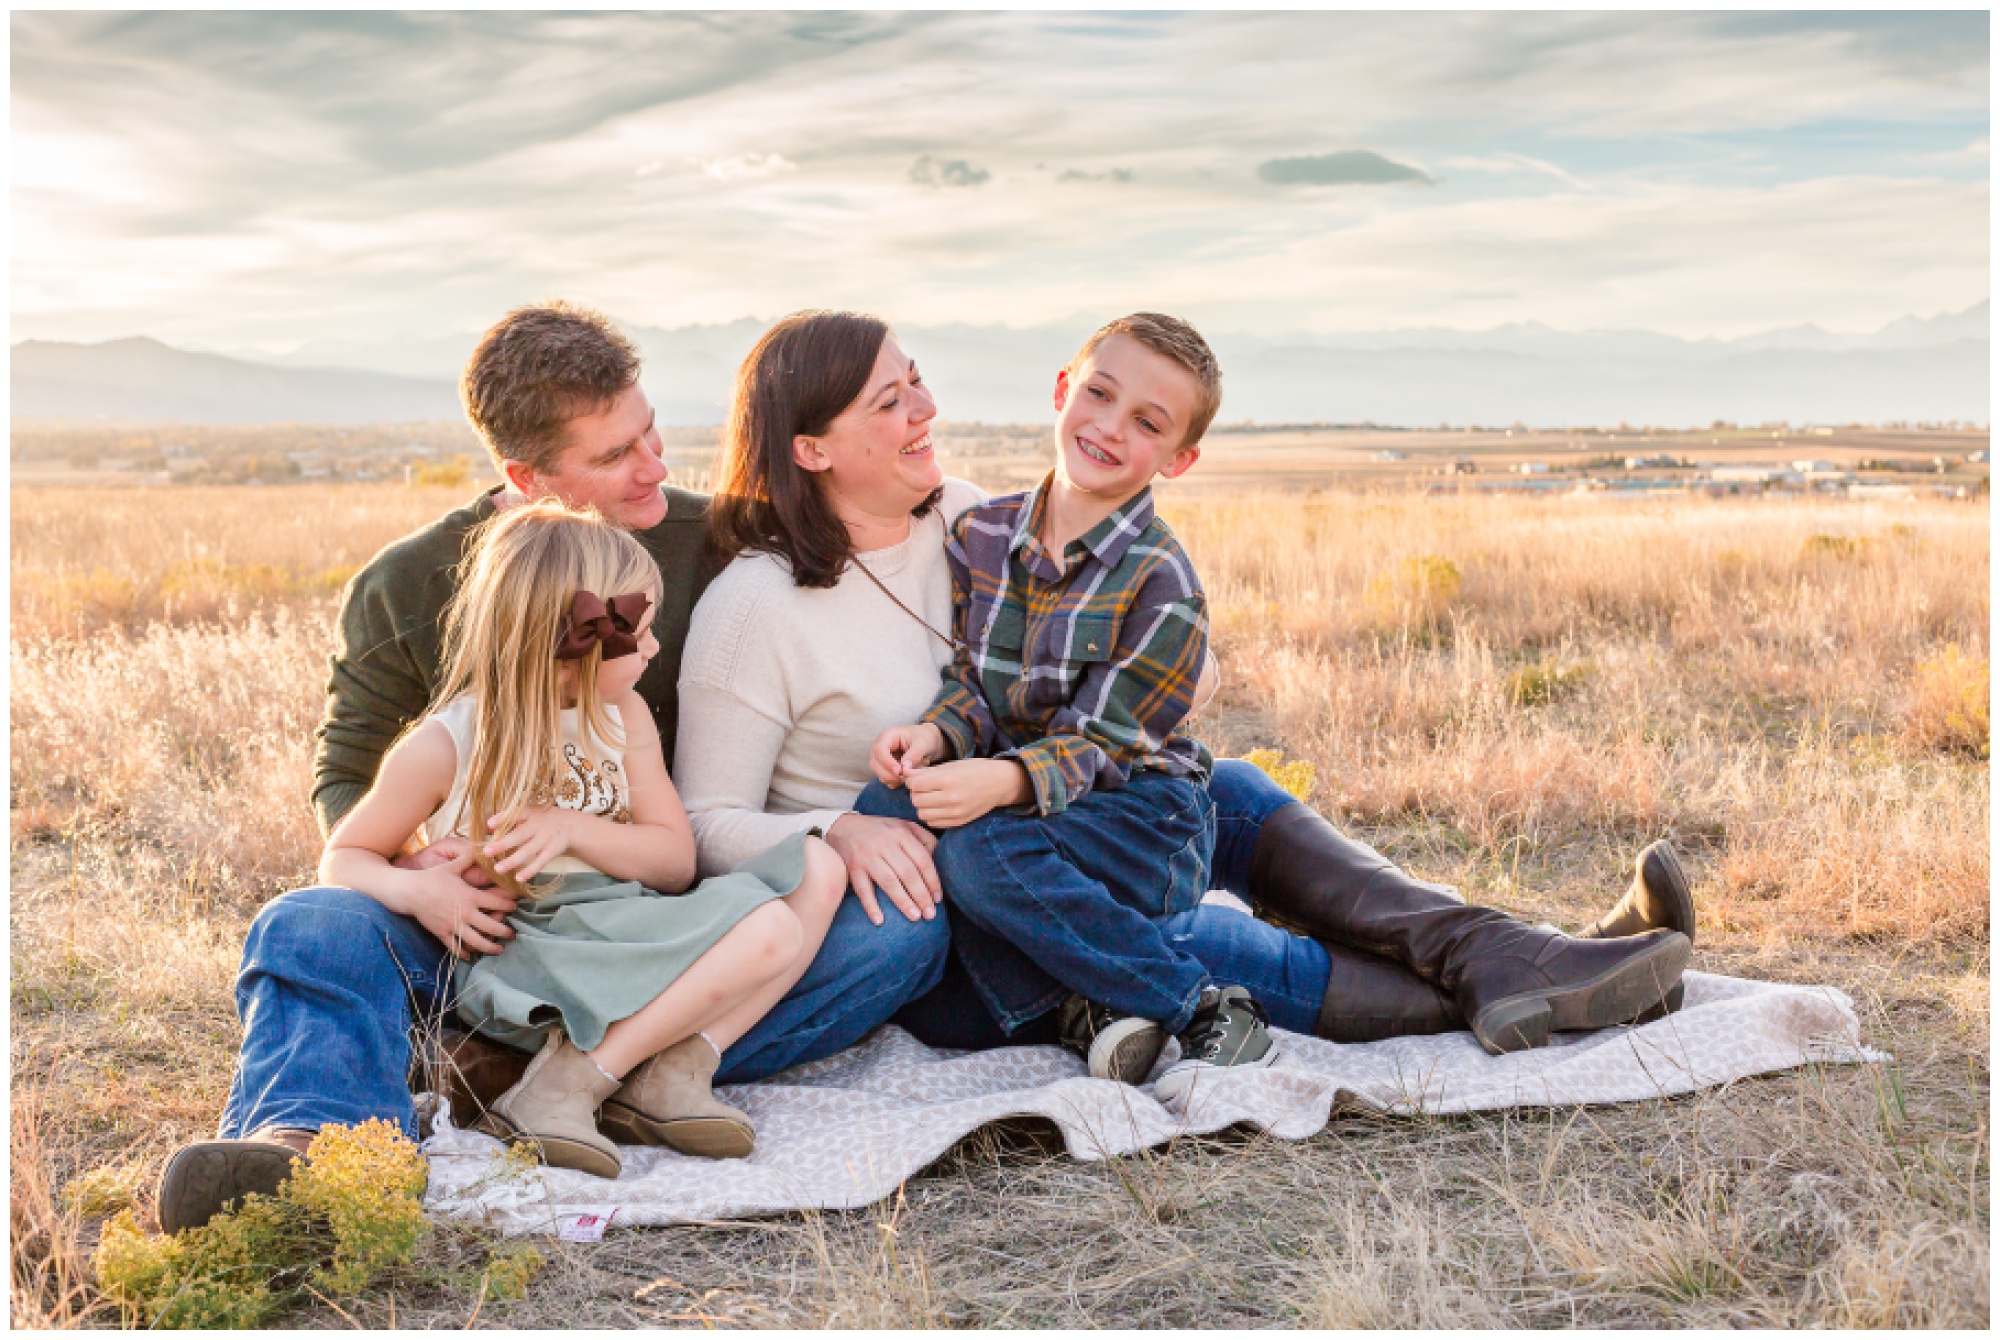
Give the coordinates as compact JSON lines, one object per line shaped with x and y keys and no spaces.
{"x":919,"y":447}
{"x":1095,"y":453}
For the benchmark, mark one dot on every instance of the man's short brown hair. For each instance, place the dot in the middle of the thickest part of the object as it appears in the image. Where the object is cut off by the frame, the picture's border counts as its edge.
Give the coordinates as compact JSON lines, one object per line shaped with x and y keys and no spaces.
{"x":538,"y":368}
{"x":1173,"y":338}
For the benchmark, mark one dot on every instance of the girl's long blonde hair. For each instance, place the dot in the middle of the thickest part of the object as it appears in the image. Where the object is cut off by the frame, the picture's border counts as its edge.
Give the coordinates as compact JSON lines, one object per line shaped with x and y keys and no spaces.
{"x":500,"y":636}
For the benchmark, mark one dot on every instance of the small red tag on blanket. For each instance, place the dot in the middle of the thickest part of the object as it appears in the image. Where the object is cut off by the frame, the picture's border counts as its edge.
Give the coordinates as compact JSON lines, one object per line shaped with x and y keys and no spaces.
{"x":585,"y":1227}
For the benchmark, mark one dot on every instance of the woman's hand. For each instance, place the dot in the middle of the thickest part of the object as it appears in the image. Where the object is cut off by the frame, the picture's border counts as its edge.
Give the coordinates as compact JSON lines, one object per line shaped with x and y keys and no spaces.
{"x":901,"y":750}
{"x":461,"y":917}
{"x":533,"y":839}
{"x":893,"y":854}
{"x":438,"y":853}
{"x":951,"y":795}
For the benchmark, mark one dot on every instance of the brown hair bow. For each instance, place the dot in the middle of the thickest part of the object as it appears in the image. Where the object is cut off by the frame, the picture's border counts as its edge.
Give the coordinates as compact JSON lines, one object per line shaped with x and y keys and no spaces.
{"x":612,"y":624}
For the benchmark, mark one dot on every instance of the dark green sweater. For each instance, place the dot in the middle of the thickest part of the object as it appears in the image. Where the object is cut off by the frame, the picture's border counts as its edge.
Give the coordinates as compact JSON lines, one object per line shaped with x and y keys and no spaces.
{"x":391,"y":626}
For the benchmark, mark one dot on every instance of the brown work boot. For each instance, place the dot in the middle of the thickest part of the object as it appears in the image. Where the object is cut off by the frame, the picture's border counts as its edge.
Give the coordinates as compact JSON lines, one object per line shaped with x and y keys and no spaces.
{"x":554,"y":1110}
{"x":1511,"y":982}
{"x":469,"y":1069}
{"x":202,"y":1180}
{"x":666,"y":1100}
{"x":1659,"y":899}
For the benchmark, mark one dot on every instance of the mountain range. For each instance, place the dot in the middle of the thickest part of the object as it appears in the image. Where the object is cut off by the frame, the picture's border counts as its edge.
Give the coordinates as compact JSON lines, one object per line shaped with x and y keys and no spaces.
{"x":1917,"y":369}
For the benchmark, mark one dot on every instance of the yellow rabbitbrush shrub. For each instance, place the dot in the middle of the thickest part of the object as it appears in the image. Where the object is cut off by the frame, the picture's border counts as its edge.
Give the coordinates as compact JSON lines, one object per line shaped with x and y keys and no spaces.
{"x":1950,"y":706}
{"x":350,"y":1213}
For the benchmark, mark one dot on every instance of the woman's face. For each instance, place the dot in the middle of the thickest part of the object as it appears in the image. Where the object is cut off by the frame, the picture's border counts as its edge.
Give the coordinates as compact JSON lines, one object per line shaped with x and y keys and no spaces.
{"x":877,"y":453}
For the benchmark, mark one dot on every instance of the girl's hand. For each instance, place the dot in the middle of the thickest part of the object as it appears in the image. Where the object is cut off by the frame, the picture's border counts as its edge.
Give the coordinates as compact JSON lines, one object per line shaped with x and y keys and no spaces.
{"x":951,"y":795}
{"x":536,"y":837}
{"x":894,"y":854}
{"x":901,"y":750}
{"x":462,"y":917}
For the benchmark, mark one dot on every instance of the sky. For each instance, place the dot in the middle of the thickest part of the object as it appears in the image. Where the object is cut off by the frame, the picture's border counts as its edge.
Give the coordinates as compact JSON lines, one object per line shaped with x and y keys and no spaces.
{"x":261,"y":180}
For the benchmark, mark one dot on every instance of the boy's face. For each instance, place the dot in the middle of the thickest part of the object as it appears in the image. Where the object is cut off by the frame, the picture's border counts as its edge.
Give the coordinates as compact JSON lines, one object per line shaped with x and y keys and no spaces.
{"x":1122,"y":412}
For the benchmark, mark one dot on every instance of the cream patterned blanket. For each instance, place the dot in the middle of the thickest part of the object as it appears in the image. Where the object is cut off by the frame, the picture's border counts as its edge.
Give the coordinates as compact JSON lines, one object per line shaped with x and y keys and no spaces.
{"x":844,"y":1132}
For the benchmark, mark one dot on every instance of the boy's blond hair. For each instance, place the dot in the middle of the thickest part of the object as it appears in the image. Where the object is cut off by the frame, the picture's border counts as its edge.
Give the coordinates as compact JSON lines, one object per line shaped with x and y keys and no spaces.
{"x":501,"y":631}
{"x":1170,"y":337}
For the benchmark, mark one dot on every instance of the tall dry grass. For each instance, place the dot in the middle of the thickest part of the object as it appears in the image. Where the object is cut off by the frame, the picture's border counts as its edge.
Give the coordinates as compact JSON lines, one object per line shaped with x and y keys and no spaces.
{"x":1505,"y":694}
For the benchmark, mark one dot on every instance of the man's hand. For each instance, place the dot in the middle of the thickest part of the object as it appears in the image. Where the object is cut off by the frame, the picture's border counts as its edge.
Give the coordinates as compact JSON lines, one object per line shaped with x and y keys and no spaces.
{"x":533,"y":838}
{"x":951,"y":795}
{"x":894,"y":854}
{"x":463,"y":918}
{"x":444,"y":850}
{"x":901,"y":750}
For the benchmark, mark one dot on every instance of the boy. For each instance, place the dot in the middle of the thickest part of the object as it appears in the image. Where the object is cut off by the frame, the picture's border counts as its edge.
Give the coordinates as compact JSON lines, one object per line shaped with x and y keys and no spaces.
{"x":1072,"y":808}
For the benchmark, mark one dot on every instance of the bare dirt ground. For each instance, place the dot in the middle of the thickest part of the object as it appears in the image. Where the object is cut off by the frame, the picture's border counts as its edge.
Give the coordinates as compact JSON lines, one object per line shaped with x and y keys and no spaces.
{"x":1505,"y":694}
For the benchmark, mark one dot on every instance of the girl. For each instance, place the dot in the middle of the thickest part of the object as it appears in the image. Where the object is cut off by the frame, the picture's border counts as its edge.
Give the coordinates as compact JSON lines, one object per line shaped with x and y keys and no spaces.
{"x":539,"y":742}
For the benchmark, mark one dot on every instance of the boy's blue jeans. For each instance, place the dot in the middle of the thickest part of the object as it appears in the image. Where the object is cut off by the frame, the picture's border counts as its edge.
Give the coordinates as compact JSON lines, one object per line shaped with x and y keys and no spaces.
{"x":1288,"y":974}
{"x":1073,"y":901}
{"x":332,"y":981}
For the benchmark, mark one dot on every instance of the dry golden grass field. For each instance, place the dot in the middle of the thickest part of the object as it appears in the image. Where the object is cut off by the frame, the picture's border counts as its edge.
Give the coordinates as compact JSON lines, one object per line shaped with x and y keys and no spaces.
{"x":1505,"y":694}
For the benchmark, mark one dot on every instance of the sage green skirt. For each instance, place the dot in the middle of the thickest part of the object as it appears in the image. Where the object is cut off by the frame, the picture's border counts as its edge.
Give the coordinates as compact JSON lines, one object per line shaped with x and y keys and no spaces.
{"x":594,"y":950}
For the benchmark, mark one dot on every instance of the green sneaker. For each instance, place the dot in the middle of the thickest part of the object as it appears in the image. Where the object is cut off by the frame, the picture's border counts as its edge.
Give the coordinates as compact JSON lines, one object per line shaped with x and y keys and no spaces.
{"x":1117,"y":1046}
{"x":1228,"y":1033}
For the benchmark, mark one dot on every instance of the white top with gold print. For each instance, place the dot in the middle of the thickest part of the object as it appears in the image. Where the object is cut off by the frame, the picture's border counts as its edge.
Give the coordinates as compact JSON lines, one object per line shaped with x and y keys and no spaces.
{"x":588,"y":779}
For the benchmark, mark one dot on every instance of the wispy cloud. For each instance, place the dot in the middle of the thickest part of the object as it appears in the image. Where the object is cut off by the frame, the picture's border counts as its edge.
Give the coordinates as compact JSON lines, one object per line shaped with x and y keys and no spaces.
{"x":929,"y":171}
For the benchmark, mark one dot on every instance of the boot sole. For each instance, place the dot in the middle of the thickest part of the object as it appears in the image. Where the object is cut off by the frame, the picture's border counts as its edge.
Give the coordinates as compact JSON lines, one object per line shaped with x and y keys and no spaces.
{"x":1127,"y":1050}
{"x":202,"y":1180}
{"x":1615,"y":996}
{"x":553,"y":1150}
{"x":703,"y":1137}
{"x":1673,"y":882}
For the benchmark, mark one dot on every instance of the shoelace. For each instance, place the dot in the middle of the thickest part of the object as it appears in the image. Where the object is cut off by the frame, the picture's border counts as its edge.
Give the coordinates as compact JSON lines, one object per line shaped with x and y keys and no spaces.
{"x":1209,"y":1040}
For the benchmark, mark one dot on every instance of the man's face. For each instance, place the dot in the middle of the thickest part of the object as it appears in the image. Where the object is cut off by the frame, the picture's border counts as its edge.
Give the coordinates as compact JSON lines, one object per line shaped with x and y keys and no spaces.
{"x":612,"y":463}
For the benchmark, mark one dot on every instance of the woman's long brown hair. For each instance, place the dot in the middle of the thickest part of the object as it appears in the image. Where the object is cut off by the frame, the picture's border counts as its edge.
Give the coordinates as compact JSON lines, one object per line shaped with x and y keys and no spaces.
{"x":801,"y":375}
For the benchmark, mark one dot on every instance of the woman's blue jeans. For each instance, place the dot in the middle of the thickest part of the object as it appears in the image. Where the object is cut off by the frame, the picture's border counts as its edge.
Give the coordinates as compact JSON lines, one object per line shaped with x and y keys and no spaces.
{"x":332,"y":983}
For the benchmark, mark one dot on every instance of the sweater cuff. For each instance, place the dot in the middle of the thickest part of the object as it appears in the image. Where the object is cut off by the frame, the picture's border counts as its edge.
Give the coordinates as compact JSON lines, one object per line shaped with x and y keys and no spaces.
{"x":333,"y":800}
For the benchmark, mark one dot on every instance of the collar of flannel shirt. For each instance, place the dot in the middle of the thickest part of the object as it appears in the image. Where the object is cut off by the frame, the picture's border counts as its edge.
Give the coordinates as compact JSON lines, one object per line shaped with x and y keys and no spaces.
{"x":1107,"y":541}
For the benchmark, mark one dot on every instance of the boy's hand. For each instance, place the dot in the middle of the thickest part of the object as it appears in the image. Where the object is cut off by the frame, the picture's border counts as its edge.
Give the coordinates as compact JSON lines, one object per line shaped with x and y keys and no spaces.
{"x":537,"y":836}
{"x":461,"y":917}
{"x":901,"y":750}
{"x":951,"y":795}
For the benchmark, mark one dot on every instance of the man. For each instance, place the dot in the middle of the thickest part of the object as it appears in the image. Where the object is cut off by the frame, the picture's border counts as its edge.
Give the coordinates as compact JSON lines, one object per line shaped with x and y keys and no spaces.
{"x":332,"y":983}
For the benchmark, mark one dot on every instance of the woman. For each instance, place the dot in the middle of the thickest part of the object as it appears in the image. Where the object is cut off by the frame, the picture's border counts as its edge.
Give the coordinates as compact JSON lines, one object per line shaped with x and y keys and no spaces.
{"x":832,"y":623}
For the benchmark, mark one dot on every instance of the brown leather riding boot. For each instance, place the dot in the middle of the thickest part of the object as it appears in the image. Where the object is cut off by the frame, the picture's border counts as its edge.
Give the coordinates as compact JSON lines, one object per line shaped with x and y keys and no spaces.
{"x":1369,"y":998}
{"x":1658,"y":898}
{"x":1512,"y":983}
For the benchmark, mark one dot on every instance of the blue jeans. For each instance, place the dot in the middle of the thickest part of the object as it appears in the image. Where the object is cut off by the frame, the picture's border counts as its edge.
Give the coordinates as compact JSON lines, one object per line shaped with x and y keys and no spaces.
{"x":1046,"y":905}
{"x":332,"y":981}
{"x":1288,"y":974}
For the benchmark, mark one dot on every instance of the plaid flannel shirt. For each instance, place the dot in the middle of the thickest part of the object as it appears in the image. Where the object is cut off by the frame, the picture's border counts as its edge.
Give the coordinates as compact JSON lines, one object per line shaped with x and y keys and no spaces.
{"x":1080,"y":667}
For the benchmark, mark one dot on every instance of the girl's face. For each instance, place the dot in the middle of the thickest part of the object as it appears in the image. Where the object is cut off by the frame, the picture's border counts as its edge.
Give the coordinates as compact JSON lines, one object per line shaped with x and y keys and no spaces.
{"x":877,"y":453}
{"x":616,"y":678}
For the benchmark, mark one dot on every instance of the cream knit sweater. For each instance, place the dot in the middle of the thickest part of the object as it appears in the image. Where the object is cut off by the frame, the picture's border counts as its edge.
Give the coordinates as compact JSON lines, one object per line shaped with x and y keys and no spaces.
{"x":783,"y":689}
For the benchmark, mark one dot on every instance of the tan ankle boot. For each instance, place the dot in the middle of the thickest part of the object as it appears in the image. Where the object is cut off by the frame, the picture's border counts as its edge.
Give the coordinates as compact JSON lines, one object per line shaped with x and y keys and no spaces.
{"x":666,"y":1101}
{"x":554,"y":1109}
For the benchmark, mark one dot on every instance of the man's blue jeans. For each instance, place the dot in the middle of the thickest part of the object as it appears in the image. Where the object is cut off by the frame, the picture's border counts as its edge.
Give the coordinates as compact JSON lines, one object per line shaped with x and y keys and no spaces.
{"x":332,"y":981}
{"x":1049,"y":904}
{"x":1288,"y":974}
